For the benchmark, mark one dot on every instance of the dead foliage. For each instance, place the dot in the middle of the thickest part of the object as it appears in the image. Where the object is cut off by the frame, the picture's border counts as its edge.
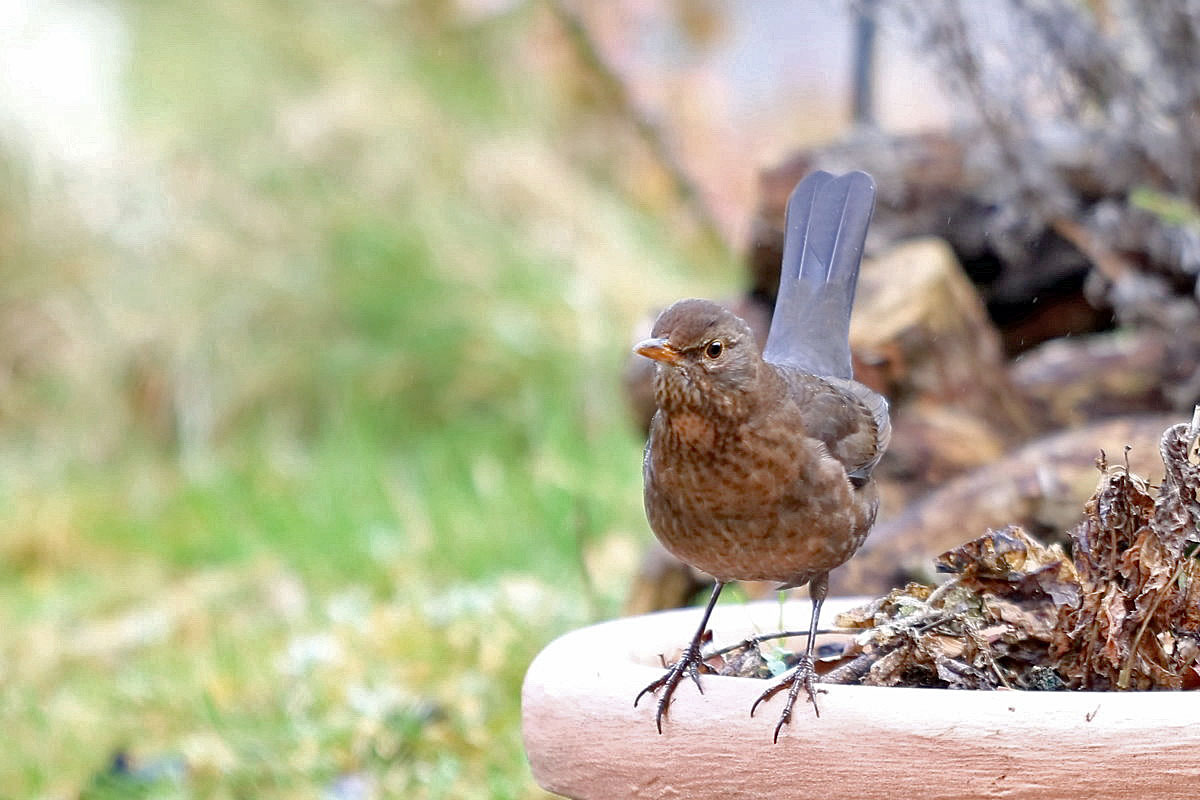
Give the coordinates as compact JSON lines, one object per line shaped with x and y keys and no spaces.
{"x":1121,"y":611}
{"x":1137,"y":623}
{"x":991,"y":625}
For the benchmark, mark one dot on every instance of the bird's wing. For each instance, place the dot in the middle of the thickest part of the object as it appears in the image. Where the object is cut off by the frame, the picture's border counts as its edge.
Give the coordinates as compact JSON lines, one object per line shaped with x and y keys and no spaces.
{"x":826,"y":227}
{"x":861,"y":454}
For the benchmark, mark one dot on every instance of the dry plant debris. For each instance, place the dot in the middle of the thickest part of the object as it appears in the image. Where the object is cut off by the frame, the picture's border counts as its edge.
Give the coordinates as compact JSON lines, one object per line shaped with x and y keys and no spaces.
{"x":1122,"y":611}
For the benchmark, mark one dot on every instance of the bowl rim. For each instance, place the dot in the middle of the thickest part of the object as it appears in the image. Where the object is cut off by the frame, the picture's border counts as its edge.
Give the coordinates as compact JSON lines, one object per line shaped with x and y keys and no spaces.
{"x":584,"y":738}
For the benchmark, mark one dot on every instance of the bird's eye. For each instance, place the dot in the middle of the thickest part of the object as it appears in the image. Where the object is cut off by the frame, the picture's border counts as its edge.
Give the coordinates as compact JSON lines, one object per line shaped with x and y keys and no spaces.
{"x":714,"y":348}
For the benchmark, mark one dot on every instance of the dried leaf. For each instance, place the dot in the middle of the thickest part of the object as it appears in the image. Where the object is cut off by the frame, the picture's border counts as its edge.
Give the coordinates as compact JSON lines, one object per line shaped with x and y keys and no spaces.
{"x":889,"y":669}
{"x":895,"y":603}
{"x":1025,"y":620}
{"x":1177,"y":516}
{"x":997,"y":554}
{"x":1115,"y":647}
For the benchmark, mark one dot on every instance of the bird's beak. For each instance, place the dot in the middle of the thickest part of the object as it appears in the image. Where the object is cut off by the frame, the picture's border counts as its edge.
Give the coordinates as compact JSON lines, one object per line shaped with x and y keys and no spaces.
{"x":659,"y":350}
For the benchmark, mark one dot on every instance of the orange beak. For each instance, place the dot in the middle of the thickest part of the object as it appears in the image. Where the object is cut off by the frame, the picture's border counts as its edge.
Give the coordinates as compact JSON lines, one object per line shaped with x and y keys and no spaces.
{"x":659,"y":350}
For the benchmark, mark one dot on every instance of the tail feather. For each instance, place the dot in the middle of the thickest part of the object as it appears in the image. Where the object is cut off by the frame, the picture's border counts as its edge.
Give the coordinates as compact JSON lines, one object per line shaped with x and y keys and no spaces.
{"x":826,"y":228}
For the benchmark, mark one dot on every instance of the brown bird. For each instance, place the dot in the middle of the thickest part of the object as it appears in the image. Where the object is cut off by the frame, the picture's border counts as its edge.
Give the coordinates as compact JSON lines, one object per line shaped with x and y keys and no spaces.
{"x":759,"y":467}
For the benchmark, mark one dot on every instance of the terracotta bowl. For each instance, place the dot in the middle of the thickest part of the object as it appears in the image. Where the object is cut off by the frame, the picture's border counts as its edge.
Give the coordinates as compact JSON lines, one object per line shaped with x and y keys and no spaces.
{"x":585,"y":739}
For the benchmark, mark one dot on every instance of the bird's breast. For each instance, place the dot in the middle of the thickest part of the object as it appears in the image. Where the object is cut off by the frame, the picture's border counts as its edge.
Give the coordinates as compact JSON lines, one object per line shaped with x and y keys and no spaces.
{"x":761,"y":500}
{"x":725,"y":470}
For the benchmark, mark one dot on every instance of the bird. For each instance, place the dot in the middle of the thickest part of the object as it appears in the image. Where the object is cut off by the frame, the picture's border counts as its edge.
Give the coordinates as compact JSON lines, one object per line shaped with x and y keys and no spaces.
{"x":759,"y":467}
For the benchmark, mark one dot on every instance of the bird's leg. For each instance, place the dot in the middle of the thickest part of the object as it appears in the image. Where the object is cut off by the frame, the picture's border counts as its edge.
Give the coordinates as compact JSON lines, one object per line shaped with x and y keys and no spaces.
{"x":688,"y":663}
{"x":802,"y":675}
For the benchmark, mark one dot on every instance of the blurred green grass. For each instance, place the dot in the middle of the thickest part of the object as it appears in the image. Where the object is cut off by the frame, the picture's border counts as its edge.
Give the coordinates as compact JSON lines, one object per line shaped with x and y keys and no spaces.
{"x":304,"y":453}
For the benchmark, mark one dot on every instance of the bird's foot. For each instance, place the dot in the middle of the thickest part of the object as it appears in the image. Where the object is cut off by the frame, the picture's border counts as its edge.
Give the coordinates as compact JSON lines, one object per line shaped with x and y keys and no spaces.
{"x":688,"y":664}
{"x":802,"y":676}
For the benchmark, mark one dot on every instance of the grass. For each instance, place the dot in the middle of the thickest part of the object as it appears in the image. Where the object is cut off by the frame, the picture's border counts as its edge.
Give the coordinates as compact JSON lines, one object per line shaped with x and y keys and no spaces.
{"x":302,"y":459}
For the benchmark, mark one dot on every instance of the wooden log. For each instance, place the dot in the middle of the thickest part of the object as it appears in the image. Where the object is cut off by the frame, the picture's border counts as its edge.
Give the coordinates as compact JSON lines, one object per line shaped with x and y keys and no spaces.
{"x":1070,"y":382}
{"x":932,"y":443}
{"x":921,"y":335}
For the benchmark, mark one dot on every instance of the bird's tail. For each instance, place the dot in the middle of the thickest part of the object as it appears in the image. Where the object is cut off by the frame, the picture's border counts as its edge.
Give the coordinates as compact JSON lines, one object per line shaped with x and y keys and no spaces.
{"x":826,"y":228}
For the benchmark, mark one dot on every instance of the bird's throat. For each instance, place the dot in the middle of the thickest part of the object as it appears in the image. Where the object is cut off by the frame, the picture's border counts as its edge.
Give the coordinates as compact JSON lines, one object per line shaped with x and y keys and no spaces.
{"x":685,"y":397}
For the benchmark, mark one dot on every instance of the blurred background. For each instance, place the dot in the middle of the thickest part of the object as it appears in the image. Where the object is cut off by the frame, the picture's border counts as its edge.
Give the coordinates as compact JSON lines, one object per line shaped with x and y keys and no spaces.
{"x":313,"y":319}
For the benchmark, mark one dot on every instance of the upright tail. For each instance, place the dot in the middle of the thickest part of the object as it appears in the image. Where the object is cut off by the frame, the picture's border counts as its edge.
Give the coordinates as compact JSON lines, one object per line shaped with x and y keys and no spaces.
{"x":826,"y":228}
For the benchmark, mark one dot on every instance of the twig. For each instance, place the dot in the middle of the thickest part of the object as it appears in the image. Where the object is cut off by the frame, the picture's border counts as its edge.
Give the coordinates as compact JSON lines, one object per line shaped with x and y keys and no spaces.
{"x":755,"y":641}
{"x":856,"y":669}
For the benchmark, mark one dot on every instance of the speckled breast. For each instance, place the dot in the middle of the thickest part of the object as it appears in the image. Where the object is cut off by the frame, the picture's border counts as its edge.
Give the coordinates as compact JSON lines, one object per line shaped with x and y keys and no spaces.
{"x":754,"y":507}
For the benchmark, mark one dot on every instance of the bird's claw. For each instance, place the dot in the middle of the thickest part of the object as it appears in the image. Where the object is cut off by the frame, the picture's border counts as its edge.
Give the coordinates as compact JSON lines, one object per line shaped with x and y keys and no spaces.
{"x":801,"y":676}
{"x":688,"y":664}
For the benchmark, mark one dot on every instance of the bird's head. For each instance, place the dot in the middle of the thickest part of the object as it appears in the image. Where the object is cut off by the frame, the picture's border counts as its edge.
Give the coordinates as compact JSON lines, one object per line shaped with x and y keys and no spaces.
{"x":708,"y":360}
